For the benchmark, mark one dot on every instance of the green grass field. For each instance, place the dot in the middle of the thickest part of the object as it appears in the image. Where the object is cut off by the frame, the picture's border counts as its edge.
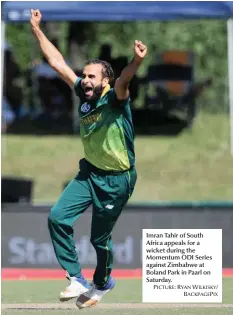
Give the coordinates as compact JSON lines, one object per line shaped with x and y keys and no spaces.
{"x":196,"y":165}
{"x":126,"y":291}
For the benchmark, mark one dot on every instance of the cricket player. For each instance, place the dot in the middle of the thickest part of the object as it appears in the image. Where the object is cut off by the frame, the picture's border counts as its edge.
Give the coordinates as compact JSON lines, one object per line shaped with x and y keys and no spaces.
{"x":107,"y":175}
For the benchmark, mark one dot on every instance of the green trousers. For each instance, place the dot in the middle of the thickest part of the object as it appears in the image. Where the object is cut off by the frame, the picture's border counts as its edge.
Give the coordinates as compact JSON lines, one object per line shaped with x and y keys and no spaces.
{"x":107,"y":193}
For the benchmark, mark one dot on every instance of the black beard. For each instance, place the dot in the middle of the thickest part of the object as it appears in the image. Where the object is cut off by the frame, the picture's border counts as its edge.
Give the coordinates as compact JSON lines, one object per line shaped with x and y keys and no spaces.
{"x":97,"y":91}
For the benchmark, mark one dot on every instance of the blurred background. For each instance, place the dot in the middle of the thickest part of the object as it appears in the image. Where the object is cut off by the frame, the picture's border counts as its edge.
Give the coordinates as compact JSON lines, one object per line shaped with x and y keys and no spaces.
{"x":180,"y":105}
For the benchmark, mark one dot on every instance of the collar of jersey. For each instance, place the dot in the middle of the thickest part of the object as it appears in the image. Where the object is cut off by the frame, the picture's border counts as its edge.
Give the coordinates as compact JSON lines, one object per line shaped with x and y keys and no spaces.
{"x":106,"y":89}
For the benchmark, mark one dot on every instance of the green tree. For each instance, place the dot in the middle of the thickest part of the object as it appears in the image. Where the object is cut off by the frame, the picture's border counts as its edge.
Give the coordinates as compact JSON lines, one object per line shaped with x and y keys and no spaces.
{"x":206,"y":38}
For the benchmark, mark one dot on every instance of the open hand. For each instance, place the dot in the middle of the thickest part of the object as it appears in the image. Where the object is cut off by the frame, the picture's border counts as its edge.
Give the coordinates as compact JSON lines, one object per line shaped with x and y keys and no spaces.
{"x":140,"y":50}
{"x":36,"y":17}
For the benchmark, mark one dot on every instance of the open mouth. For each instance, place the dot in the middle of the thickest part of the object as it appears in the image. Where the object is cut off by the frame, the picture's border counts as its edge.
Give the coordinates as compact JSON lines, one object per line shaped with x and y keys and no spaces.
{"x":88,"y":91}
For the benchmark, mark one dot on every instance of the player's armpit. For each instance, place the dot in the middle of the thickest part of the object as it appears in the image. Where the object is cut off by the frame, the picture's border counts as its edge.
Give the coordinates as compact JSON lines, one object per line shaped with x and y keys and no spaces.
{"x":64,"y":71}
{"x":121,"y":89}
{"x":119,"y":102}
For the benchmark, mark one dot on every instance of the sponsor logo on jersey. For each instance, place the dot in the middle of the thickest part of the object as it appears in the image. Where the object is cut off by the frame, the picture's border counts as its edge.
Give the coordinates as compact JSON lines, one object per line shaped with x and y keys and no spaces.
{"x":91,"y":119}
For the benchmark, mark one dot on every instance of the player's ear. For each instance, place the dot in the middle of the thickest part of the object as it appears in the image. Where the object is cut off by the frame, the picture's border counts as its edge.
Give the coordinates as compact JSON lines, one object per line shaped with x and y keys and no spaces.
{"x":105,"y":81}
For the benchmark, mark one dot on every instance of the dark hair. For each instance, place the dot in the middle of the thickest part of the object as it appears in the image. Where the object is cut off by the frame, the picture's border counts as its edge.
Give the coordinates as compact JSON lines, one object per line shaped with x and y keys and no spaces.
{"x":107,"y":71}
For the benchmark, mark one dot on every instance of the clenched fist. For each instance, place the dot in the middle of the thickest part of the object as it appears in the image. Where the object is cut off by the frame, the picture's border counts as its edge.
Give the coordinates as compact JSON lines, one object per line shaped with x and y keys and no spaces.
{"x":140,"y":50}
{"x":36,"y":17}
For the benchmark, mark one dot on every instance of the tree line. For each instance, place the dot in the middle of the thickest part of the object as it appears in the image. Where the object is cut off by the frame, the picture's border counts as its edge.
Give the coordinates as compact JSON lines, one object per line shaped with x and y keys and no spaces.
{"x":206,"y":38}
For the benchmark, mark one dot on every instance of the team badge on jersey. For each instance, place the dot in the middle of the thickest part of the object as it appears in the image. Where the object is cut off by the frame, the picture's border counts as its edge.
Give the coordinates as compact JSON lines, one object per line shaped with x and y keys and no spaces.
{"x":85,"y":108}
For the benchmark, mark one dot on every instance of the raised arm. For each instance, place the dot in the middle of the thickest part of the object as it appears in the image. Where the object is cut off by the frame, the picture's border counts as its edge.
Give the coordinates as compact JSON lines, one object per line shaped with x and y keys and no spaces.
{"x":122,"y":83}
{"x":53,"y":56}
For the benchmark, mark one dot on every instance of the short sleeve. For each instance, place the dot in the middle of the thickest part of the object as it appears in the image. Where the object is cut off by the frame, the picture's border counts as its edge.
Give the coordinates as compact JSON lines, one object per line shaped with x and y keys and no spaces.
{"x":78,"y":88}
{"x":118,"y":103}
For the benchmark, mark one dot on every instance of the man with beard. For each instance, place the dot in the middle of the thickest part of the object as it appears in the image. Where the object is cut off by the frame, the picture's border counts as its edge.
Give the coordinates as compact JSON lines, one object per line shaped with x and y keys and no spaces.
{"x":107,"y":175}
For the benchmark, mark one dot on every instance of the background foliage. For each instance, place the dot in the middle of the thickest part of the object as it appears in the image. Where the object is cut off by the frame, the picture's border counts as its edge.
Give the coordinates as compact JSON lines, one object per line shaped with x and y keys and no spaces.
{"x":207,"y":39}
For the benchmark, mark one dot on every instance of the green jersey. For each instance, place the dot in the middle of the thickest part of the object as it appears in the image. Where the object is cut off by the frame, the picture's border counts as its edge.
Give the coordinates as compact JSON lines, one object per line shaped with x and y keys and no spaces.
{"x":106,"y":130}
